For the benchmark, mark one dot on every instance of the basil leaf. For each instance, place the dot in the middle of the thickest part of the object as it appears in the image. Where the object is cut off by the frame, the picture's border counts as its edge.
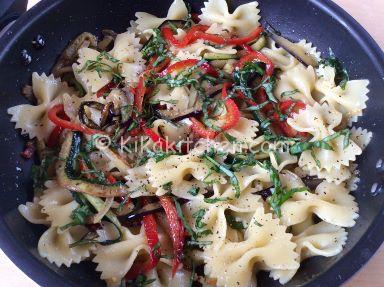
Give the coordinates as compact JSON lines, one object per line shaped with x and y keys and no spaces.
{"x":341,"y":76}
{"x":233,"y":223}
{"x":194,"y":190}
{"x":216,"y":199}
{"x":289,"y":93}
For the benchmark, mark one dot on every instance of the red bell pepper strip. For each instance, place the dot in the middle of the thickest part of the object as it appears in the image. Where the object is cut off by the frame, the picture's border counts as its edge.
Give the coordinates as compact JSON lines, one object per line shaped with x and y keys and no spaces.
{"x":160,"y":66}
{"x":158,"y":140}
{"x":247,"y":48}
{"x":198,"y":32}
{"x":106,"y":89}
{"x":259,"y":57}
{"x":231,"y":118}
{"x":183,"y":65}
{"x":150,"y":228}
{"x":139,"y":94}
{"x":200,"y":130}
{"x":56,"y":115}
{"x":290,"y":107}
{"x":244,"y":40}
{"x":232,"y":115}
{"x":176,"y":230}
{"x":54,"y":137}
{"x":111,"y":179}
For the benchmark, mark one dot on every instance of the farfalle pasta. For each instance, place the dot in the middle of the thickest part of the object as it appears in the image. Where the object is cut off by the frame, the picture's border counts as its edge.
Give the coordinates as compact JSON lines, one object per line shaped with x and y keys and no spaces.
{"x":194,"y":149}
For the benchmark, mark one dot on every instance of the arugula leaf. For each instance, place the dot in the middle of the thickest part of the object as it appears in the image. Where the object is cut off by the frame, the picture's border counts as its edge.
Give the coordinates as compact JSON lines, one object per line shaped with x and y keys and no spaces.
{"x":341,"y":77}
{"x":232,"y":222}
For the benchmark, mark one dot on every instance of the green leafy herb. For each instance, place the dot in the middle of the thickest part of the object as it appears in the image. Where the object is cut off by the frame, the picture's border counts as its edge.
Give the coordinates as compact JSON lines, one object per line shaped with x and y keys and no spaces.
{"x":79,"y":216}
{"x":322,"y":144}
{"x":183,"y":220}
{"x":289,"y":93}
{"x":318,"y":163}
{"x":240,"y":160}
{"x":40,"y":173}
{"x":268,"y":84}
{"x":100,"y":67}
{"x":230,"y":138}
{"x":91,"y":238}
{"x":232,"y":222}
{"x":279,"y":194}
{"x":156,"y":102}
{"x":341,"y":77}
{"x":194,"y":190}
{"x":216,"y":199}
{"x":223,"y":169}
{"x":199,"y":215}
{"x":242,"y":78}
{"x":194,"y":243}
{"x":140,"y":281}
{"x":156,"y":46}
{"x":167,"y":186}
{"x":257,"y":107}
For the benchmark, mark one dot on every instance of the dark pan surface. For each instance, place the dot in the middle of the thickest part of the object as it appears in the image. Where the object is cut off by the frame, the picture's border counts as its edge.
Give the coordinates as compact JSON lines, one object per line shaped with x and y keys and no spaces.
{"x":321,"y":22}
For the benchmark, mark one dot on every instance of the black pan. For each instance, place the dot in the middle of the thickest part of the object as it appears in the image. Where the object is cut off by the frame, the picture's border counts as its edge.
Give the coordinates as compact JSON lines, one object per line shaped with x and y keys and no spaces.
{"x":58,"y":21}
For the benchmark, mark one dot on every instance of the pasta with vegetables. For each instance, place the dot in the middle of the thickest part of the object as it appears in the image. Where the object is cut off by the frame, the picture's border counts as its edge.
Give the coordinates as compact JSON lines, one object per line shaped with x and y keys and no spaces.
{"x":195,"y":149}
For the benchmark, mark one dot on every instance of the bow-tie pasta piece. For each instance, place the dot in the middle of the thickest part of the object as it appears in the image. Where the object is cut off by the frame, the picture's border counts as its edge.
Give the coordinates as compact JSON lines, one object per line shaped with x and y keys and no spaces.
{"x":266,"y":244}
{"x":177,"y":11}
{"x":33,"y":120}
{"x":350,"y":101}
{"x":299,"y":82}
{"x":241,"y":22}
{"x":319,"y":121}
{"x":55,"y":246}
{"x":322,"y":239}
{"x":115,"y":260}
{"x":58,"y":204}
{"x":31,"y":211}
{"x":330,"y":202}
